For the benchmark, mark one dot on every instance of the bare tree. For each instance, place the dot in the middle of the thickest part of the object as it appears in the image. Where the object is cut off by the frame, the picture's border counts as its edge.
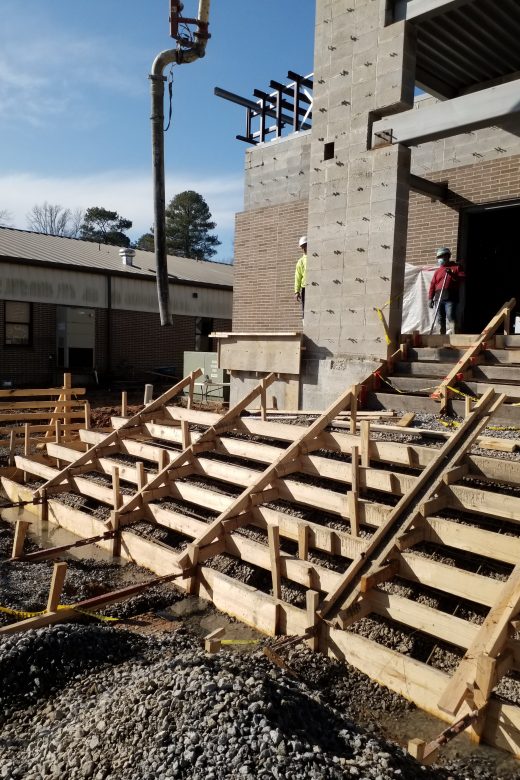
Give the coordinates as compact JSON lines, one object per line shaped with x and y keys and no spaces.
{"x":6,"y":218}
{"x":54,"y":220}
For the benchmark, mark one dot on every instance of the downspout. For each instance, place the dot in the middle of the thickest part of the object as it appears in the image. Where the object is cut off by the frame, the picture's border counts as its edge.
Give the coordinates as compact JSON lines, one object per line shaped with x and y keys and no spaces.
{"x":177,"y":56}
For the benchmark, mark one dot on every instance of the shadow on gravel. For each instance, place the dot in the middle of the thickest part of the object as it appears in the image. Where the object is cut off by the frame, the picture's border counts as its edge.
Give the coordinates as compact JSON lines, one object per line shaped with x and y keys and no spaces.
{"x":37,"y":664}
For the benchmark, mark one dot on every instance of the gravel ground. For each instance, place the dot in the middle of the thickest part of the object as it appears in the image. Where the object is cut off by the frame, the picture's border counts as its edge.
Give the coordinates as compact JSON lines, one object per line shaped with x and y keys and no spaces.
{"x":116,"y":706}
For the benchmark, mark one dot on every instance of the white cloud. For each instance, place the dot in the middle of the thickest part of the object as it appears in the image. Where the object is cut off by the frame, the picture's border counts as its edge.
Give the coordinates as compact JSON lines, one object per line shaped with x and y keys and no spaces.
{"x":128,"y":193}
{"x":50,"y":77}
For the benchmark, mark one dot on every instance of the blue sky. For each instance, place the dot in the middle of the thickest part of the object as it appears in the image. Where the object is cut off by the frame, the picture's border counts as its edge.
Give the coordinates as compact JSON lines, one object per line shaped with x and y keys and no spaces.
{"x":75,"y":105}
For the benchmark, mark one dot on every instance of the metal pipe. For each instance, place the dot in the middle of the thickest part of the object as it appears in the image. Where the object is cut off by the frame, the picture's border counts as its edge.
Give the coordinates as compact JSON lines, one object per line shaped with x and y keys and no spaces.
{"x":176,"y":56}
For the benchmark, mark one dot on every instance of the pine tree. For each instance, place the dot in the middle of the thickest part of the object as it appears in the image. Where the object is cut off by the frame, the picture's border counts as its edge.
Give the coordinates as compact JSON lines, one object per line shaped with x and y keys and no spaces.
{"x":188,"y":226}
{"x":105,"y":227}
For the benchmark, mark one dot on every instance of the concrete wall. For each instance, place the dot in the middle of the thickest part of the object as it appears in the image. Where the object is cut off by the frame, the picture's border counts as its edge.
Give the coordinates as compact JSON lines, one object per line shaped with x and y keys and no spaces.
{"x":359,"y":225}
{"x":358,"y":204}
{"x":277,"y":171}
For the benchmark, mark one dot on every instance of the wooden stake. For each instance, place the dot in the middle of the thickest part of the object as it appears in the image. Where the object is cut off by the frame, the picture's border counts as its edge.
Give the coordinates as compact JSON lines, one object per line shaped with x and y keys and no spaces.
{"x":141,"y":475}
{"x":273,"y":535}
{"x":354,"y":409}
{"x":162,"y":460}
{"x":353,"y":494}
{"x":124,"y":404}
{"x":27,"y":440}
{"x":191,"y":390}
{"x":186,"y":435}
{"x":303,"y":541}
{"x":193,"y":554}
{"x":19,"y":537}
{"x":58,"y":578}
{"x":312,"y":602}
{"x":263,"y":400}
{"x":87,"y":415}
{"x":116,"y":527}
{"x":364,"y":433}
{"x":212,"y":642}
{"x":117,"y":498}
{"x":467,"y":405}
{"x":67,"y":385}
{"x":11,"y":447}
{"x":148,"y":394}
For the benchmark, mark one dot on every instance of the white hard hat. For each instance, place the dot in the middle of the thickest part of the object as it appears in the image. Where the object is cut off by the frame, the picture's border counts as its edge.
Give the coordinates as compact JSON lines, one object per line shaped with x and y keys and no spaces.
{"x":302,"y":241}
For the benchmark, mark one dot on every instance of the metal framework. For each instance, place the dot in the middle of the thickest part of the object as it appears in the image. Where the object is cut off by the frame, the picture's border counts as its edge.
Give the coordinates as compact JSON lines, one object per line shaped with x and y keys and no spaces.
{"x":290,"y":105}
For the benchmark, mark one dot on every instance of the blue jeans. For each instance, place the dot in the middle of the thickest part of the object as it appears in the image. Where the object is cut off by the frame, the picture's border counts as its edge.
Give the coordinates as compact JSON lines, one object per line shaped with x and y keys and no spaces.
{"x":446,"y":315}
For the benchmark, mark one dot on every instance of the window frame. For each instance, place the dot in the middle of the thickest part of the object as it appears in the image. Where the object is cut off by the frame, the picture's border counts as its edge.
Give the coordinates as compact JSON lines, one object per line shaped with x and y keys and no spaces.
{"x":29,"y":323}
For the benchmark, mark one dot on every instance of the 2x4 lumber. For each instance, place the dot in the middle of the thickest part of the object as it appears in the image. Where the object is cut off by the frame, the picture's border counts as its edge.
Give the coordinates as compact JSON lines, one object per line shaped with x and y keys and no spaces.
{"x":307,"y":438}
{"x":437,"y":574}
{"x":405,"y":513}
{"x":489,"y":642}
{"x":208,"y":437}
{"x":19,"y":537}
{"x":450,"y":117}
{"x":460,"y":496}
{"x":38,"y":392}
{"x":273,"y":536}
{"x":312,"y":600}
{"x":393,"y":452}
{"x":132,"y":422}
{"x":419,"y":683}
{"x":477,"y":346}
{"x":59,"y":573}
{"x":58,"y":405}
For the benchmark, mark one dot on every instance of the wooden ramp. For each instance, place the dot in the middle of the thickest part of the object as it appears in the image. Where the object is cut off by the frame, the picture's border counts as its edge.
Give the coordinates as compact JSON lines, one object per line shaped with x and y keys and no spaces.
{"x":270,"y":520}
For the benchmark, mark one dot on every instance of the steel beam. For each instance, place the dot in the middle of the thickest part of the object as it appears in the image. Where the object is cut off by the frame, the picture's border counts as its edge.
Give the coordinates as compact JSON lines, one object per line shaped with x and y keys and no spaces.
{"x":451,"y":117}
{"x":420,"y":10}
{"x":432,"y":189}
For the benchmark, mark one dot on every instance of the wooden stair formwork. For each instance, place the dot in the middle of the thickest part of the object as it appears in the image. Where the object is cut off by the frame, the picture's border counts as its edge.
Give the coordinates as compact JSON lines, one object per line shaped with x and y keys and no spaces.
{"x":37,"y":415}
{"x":444,"y":373}
{"x":304,"y":507}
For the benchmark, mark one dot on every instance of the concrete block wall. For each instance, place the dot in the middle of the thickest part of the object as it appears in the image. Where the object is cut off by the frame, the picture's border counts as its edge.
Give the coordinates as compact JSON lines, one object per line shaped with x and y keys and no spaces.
{"x":358,"y":204}
{"x":277,"y":171}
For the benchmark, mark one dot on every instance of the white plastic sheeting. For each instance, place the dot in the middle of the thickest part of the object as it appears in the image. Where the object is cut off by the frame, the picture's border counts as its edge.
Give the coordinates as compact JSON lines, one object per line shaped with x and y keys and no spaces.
{"x":417,"y":315}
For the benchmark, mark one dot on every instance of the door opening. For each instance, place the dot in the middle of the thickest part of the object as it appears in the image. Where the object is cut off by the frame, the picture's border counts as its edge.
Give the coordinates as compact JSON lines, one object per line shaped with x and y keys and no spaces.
{"x":489,"y":248}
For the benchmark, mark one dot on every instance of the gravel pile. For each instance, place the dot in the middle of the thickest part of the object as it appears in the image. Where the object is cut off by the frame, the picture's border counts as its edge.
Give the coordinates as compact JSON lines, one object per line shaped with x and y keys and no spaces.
{"x":76,"y":706}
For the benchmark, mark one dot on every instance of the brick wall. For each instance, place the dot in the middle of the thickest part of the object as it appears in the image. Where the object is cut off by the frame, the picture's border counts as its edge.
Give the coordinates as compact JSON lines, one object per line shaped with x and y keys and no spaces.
{"x":266,"y":251}
{"x":35,"y":363}
{"x":434,"y":224}
{"x":138,"y":343}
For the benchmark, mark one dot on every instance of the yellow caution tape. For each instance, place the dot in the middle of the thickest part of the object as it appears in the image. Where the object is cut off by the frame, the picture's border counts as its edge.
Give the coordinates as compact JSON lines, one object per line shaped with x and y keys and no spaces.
{"x":240,"y":641}
{"x":403,"y":392}
{"x":24,"y":615}
{"x":381,"y":317}
{"x":19,"y":613}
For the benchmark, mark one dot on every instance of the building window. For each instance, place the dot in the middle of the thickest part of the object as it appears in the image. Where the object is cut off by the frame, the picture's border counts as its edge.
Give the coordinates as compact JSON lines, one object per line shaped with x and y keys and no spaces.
{"x":17,"y":321}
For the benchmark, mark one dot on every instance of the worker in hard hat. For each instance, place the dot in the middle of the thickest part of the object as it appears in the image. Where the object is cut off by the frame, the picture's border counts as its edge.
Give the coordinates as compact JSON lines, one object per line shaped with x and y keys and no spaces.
{"x":300,"y":273}
{"x":444,"y":290}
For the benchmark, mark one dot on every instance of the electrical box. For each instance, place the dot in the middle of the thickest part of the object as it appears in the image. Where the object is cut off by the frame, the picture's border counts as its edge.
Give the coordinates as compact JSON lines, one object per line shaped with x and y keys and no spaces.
{"x":213,"y":384}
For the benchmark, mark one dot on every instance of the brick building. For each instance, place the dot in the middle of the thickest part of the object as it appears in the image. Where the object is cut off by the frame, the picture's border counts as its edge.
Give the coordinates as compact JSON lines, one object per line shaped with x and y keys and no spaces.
{"x":90,"y":308}
{"x":382,"y":178}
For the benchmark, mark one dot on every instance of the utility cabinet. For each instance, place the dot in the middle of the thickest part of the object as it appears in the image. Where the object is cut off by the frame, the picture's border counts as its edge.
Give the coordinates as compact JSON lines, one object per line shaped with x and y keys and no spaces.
{"x":214,"y":382}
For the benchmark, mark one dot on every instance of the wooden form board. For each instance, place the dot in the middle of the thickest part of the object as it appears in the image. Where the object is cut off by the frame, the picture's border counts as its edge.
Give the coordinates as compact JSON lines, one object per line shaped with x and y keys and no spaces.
{"x":270,"y":472}
{"x":278,"y":353}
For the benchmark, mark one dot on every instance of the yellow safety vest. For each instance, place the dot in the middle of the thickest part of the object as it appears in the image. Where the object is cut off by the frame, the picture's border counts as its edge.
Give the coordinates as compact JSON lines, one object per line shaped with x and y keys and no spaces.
{"x":300,"y":274}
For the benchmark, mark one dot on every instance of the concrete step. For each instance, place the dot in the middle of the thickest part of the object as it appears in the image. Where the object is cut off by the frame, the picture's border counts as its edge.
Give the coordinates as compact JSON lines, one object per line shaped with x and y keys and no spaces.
{"x":506,"y":415}
{"x":451,"y":355}
{"x":426,"y":385}
{"x":494,"y":373}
